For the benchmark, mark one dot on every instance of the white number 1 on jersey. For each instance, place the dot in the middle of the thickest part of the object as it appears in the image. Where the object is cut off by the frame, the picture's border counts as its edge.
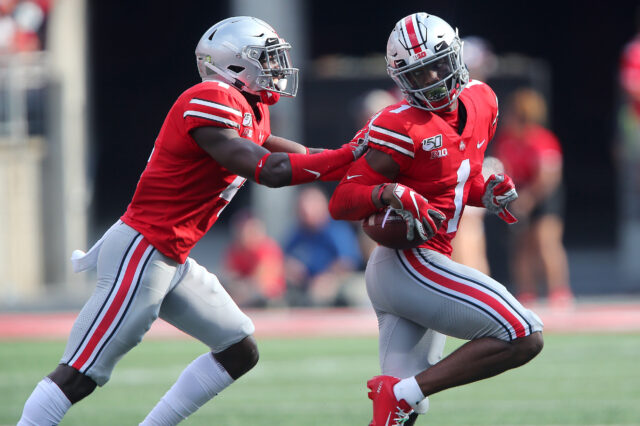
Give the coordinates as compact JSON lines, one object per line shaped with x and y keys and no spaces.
{"x":463,"y":175}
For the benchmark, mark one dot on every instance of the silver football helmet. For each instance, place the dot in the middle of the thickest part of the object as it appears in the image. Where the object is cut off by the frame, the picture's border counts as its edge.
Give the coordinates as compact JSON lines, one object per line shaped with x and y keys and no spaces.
{"x":247,"y":53}
{"x":424,"y":58}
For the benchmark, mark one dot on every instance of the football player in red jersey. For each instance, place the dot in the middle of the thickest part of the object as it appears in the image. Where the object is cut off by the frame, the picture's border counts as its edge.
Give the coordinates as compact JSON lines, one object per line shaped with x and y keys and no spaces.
{"x":425,"y":158}
{"x":215,"y":137}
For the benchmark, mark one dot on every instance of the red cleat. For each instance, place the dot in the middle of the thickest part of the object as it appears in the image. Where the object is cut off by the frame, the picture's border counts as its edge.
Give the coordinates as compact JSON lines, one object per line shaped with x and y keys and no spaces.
{"x":387,"y":410}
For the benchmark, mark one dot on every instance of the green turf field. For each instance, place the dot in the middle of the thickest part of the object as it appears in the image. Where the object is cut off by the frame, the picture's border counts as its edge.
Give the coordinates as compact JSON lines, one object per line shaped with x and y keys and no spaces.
{"x":576,"y":380}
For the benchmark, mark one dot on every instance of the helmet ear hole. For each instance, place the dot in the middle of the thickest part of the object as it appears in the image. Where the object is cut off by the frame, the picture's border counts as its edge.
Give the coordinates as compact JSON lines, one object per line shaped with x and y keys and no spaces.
{"x":235,"y":68}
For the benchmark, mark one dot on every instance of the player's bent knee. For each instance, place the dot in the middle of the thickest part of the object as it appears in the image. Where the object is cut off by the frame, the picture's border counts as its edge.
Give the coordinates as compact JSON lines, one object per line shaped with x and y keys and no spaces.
{"x":239,"y":358}
{"x":528,"y":347}
{"x":74,"y":384}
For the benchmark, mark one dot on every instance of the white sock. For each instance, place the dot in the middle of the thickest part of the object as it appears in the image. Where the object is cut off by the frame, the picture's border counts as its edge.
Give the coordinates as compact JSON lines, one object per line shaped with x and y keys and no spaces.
{"x":409,"y":390}
{"x":46,"y":405}
{"x":203,"y":379}
{"x":423,"y":406}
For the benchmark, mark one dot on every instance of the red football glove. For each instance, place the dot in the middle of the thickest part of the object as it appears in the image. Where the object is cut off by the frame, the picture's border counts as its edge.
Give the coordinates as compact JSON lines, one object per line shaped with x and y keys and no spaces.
{"x":421,"y":217}
{"x":499,"y":191}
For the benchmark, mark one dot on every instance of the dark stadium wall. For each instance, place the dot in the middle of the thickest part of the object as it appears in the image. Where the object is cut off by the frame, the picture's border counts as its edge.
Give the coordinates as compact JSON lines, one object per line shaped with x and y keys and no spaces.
{"x":141,"y":58}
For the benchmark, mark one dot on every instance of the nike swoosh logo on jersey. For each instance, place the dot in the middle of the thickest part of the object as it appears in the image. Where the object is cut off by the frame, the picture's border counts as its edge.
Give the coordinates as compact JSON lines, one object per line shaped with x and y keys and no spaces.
{"x":351,"y":177}
{"x":388,"y":418}
{"x":313,"y":172}
{"x":479,"y":144}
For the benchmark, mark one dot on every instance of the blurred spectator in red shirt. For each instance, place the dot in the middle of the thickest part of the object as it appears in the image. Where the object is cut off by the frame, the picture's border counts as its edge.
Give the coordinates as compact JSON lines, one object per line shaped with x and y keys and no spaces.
{"x":630,"y":73}
{"x":254,"y":264}
{"x":532,"y":156}
{"x":22,"y":25}
{"x":627,"y":156}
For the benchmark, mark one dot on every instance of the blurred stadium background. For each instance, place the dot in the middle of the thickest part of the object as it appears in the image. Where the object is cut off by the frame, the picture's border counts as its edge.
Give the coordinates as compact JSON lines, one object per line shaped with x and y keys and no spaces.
{"x":79,"y":114}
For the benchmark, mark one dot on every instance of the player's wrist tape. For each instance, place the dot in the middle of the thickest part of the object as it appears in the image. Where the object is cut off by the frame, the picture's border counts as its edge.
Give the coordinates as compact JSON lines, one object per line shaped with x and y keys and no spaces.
{"x":381,"y":188}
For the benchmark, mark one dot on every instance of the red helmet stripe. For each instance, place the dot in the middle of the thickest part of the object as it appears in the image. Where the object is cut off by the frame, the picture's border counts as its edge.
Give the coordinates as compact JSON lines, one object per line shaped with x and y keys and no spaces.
{"x":411,"y":32}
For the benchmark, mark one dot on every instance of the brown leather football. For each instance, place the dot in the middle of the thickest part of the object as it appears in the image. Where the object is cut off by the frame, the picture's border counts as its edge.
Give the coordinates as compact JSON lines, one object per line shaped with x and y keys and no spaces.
{"x":391,"y":232}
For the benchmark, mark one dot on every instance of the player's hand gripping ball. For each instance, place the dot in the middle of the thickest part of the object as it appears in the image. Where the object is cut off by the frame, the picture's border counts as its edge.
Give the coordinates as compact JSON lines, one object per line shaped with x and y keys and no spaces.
{"x":389,"y":229}
{"x":407,"y":223}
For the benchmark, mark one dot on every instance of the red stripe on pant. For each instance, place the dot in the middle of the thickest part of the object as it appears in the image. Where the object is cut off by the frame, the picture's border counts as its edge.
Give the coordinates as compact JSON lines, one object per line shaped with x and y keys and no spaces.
{"x":468,"y":290}
{"x":411,"y":32}
{"x":115,"y":306}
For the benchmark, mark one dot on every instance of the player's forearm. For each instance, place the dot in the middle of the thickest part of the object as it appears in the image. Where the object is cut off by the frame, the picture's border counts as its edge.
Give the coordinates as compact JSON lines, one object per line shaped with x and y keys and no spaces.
{"x":358,"y":195}
{"x":337,"y":174}
{"x":476,"y":191}
{"x":280,"y":144}
{"x":353,"y":201}
{"x":280,"y":169}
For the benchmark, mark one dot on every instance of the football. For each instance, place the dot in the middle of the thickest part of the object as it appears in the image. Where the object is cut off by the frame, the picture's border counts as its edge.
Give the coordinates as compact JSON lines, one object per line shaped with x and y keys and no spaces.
{"x":388,"y":229}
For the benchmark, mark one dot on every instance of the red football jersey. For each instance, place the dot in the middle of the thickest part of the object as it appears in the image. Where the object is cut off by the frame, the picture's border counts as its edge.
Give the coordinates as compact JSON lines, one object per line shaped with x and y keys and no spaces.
{"x":183,"y":190}
{"x":434,"y":159}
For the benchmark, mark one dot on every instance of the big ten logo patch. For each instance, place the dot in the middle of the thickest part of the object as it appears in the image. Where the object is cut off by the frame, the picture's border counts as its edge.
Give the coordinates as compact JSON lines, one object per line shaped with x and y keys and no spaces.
{"x":434,"y":145}
{"x":439,"y":153}
{"x":420,"y":55}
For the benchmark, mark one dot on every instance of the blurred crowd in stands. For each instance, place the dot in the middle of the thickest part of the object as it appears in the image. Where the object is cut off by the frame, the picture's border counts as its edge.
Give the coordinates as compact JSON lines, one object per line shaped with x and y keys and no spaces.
{"x":23,"y":25}
{"x":321,"y":261}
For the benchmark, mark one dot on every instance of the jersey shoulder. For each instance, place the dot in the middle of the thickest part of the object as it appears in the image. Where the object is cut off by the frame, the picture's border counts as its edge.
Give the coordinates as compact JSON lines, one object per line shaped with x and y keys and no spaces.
{"x":213,"y":103}
{"x":483,"y":104}
{"x":389,"y":129}
{"x":217,"y":91}
{"x":481,"y":93}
